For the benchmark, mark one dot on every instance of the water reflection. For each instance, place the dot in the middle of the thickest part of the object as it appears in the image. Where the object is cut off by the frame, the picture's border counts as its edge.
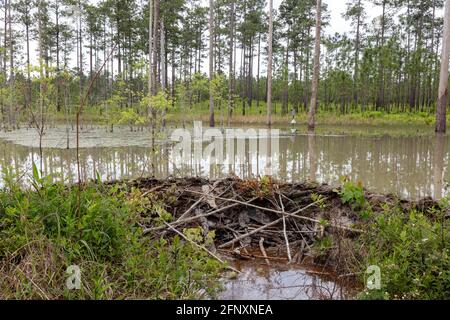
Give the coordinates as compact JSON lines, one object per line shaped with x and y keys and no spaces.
{"x":278,"y":283}
{"x":439,"y":150}
{"x":412,"y":167}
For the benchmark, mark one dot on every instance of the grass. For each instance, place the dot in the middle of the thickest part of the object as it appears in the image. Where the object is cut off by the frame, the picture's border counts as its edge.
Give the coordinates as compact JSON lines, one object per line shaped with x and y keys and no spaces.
{"x":257,"y":116}
{"x":42,"y":233}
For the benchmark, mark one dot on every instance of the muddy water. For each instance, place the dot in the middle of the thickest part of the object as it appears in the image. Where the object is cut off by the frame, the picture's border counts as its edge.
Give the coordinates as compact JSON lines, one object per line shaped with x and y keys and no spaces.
{"x":410,"y":166}
{"x":259,"y":281}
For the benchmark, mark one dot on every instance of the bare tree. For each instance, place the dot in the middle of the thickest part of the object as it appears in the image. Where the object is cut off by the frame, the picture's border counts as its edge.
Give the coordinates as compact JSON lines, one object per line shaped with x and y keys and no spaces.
{"x":231,"y":66}
{"x":316,"y":72}
{"x":269,"y":65}
{"x":211,"y":63}
{"x":40,"y":124}
{"x":11,"y":71}
{"x":441,"y":116}
{"x":162,"y":55}
{"x":152,"y":74}
{"x":150,"y":46}
{"x":156,"y":25}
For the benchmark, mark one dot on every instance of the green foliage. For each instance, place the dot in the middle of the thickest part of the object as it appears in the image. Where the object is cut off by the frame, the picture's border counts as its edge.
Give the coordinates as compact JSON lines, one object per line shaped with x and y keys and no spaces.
{"x":265,"y":185}
{"x":319,"y":200}
{"x":219,"y":87}
{"x":102,"y":236}
{"x":353,"y":194}
{"x":321,"y":246}
{"x":198,"y":236}
{"x":412,"y":251}
{"x":157,"y":102}
{"x":131,"y":118}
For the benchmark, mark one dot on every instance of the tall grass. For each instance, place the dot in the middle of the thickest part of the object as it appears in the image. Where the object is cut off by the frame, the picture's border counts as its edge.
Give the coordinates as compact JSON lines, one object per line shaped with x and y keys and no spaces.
{"x":41,"y":235}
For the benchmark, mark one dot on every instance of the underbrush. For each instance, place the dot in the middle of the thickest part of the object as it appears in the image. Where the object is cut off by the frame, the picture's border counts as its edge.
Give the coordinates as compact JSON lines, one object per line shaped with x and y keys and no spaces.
{"x":113,"y":113}
{"x":45,"y":230}
{"x":410,"y":247}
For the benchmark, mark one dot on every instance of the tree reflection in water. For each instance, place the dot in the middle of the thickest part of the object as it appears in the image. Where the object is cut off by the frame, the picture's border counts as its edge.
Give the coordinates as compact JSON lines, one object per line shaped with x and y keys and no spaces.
{"x":412,"y":167}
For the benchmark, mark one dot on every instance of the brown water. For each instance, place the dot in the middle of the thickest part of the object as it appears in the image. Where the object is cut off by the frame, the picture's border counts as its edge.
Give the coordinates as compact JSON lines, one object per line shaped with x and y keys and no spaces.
{"x":404,"y":161}
{"x":411,"y":166}
{"x":259,"y":281}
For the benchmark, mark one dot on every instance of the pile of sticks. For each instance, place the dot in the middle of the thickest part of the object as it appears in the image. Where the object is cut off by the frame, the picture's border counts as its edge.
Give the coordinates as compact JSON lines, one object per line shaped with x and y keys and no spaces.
{"x":250,"y":214}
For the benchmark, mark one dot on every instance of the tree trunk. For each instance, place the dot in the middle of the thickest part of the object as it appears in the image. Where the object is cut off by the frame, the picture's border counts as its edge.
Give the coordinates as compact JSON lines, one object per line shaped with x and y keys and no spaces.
{"x":244,"y":75}
{"x":58,"y":84}
{"x":81,"y":49}
{"x":269,"y":65}
{"x":315,"y":79}
{"x":430,"y":60}
{"x":5,"y":43}
{"x":27,"y":35}
{"x":162,"y":57}
{"x":11,"y":71}
{"x":250,"y":76}
{"x":155,"y":46}
{"x":284,"y":107}
{"x":307,"y":69}
{"x":231,"y":66}
{"x":40,"y":125}
{"x":258,"y":80}
{"x":211,"y":63}
{"x":150,"y":47}
{"x":380,"y":100}
{"x":441,"y":121}
{"x":357,"y":45}
{"x":173,"y":77}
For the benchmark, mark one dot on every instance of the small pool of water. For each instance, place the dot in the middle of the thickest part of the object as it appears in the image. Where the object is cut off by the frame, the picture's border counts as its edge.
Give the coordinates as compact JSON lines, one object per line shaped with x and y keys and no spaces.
{"x":258,"y":281}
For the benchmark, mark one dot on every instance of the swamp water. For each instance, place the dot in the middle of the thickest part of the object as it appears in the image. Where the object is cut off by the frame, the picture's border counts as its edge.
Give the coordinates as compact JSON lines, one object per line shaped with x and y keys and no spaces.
{"x":412,"y":166}
{"x":258,"y":281}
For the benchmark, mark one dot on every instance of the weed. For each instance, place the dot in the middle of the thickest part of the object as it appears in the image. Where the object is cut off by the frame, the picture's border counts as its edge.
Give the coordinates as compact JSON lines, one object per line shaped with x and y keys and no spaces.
{"x":353,"y":194}
{"x":41,"y":235}
{"x":412,"y":251}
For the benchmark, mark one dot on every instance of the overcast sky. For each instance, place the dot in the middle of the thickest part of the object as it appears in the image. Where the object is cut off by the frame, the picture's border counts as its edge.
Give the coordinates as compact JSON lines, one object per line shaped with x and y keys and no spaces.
{"x":336,"y":8}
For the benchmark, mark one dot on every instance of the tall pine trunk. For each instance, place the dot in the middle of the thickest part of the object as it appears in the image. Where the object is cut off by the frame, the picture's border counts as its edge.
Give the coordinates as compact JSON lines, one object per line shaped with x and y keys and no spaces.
{"x":58,"y":80}
{"x":316,"y":72}
{"x":441,"y":121}
{"x":211,"y":63}
{"x":11,"y":71}
{"x":357,"y":48}
{"x":258,"y":78}
{"x":269,"y":65}
{"x":231,"y":66}
{"x":150,"y":47}
{"x":380,"y":99}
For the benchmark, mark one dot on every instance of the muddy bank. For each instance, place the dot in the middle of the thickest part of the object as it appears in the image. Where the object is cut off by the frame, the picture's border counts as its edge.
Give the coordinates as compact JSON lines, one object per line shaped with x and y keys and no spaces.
{"x":301,"y":223}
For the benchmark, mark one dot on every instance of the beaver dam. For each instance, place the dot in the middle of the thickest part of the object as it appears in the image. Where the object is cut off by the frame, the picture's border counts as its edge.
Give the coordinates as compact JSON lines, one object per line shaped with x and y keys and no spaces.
{"x":263,"y":225}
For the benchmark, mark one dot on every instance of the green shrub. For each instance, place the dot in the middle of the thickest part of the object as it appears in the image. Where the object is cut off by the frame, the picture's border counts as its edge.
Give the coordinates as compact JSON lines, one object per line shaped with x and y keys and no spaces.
{"x":43,"y":231}
{"x":412,"y":251}
{"x":353,"y":194}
